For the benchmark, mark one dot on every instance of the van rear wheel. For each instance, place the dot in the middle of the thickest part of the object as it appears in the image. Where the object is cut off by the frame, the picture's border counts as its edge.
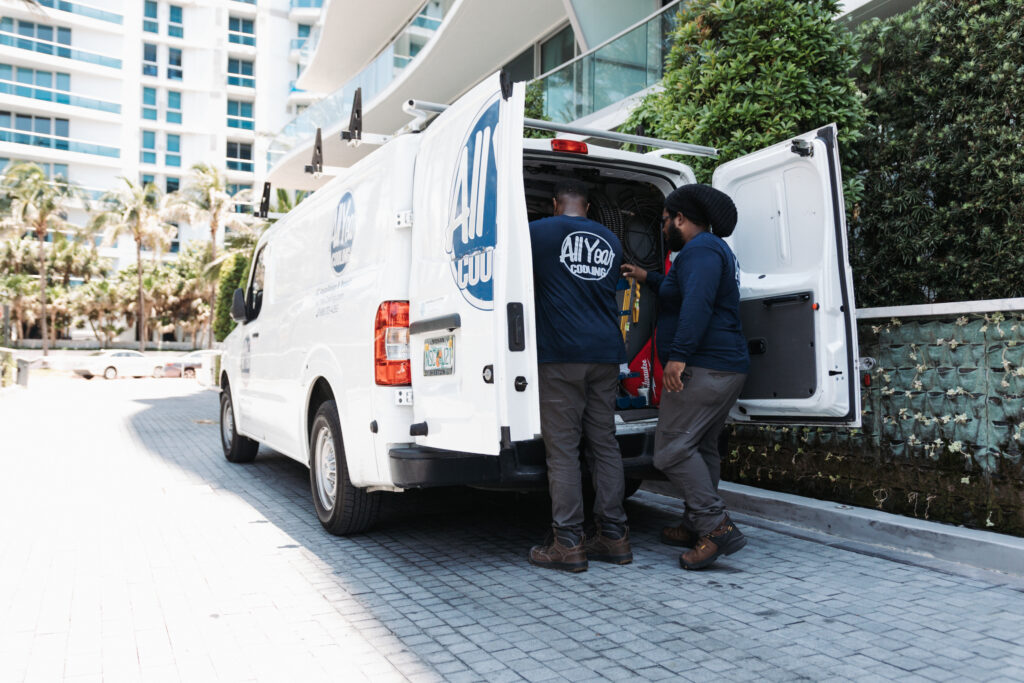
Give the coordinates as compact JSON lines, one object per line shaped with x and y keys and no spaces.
{"x":237,"y":448}
{"x":342,"y":508}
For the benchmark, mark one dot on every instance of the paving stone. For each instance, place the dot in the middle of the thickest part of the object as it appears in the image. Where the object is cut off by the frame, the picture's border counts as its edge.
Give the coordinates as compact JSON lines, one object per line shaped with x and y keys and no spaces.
{"x":181,"y":566}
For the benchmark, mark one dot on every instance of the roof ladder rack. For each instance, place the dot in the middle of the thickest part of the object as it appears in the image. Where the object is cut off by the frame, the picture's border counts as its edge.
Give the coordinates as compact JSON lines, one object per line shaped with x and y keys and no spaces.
{"x":264,"y":209}
{"x":678,"y":147}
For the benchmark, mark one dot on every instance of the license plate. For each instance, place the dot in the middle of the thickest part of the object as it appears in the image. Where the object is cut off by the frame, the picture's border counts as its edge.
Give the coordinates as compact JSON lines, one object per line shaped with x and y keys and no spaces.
{"x":439,"y":356}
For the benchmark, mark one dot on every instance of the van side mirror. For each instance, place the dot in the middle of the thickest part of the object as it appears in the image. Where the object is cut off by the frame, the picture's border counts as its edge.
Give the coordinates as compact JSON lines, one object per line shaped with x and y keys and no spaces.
{"x":238,"y":312}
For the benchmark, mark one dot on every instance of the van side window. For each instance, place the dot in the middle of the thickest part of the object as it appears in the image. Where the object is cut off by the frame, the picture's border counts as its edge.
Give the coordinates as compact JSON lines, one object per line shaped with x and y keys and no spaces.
{"x":254,"y":297}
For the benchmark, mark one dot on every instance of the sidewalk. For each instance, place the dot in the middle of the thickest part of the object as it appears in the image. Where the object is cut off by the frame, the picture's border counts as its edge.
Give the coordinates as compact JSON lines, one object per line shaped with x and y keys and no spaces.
{"x":131,"y":550}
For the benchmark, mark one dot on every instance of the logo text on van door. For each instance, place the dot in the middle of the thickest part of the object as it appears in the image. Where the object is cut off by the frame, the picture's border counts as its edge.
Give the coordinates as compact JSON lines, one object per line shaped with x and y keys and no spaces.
{"x":473,"y":211}
{"x":341,"y":234}
{"x":586,"y":255}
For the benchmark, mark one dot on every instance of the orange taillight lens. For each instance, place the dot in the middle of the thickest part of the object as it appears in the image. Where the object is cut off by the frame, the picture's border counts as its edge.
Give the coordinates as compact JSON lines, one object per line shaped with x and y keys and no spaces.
{"x":391,"y":344}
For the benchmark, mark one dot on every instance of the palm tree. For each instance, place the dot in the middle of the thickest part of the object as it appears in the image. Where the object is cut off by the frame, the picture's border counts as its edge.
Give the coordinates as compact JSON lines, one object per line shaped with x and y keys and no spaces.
{"x":139,"y":211}
{"x":37,"y":203}
{"x":205,"y":199}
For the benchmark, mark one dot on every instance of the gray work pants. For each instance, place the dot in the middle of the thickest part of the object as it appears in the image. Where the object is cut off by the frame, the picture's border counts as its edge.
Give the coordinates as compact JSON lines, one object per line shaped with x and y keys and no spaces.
{"x":686,"y":443}
{"x":577,"y":403}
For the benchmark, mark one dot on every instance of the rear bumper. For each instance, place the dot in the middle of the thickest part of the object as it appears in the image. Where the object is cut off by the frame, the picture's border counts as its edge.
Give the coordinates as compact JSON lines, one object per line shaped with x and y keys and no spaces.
{"x":521,"y":467}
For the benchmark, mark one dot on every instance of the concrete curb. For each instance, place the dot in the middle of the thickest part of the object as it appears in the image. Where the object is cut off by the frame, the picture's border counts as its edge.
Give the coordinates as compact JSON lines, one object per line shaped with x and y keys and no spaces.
{"x":971,"y":547}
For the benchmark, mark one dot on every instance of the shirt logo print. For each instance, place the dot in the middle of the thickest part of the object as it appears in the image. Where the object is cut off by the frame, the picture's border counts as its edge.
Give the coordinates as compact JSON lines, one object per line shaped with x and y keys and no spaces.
{"x":586,"y":256}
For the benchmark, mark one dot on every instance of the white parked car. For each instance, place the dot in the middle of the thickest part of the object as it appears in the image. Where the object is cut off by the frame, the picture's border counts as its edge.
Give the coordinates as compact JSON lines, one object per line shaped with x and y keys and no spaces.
{"x":114,"y":363}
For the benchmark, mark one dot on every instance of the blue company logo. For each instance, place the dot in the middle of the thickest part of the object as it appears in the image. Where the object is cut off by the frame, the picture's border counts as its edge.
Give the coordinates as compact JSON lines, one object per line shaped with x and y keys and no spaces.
{"x":586,"y":255}
{"x":473,"y":211}
{"x":341,"y":235}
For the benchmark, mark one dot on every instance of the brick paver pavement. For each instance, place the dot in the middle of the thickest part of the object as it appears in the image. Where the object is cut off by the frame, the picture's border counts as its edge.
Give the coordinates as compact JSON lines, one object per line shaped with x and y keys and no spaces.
{"x":131,"y":550}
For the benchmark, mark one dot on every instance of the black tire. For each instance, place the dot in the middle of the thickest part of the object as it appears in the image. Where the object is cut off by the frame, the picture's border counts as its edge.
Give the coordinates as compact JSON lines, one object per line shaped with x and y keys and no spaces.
{"x":342,"y":508}
{"x":189,"y":373}
{"x":110,"y":373}
{"x":237,"y":448}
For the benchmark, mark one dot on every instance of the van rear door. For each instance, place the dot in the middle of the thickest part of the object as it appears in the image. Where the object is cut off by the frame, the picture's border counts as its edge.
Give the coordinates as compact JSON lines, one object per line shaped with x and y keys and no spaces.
{"x":472,"y":342}
{"x":796,"y":288}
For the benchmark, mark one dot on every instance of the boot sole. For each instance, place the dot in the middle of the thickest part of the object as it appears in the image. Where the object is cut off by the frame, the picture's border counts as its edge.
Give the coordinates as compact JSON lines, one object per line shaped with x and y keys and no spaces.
{"x":611,"y":559}
{"x":733,"y":547}
{"x":572,"y":567}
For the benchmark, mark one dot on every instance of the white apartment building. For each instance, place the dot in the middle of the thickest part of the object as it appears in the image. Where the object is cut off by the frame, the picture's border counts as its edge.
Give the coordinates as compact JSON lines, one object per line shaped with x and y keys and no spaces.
{"x":591,"y":61}
{"x":98,"y":89}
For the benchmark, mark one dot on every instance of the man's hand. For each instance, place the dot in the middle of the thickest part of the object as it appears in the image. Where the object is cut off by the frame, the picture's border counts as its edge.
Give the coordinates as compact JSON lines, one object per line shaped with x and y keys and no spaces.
{"x":635,"y":272}
{"x":673,"y":375}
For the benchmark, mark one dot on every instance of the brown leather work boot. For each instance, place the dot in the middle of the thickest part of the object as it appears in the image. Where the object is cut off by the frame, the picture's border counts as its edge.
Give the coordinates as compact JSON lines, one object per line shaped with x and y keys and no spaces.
{"x":610,"y":546}
{"x":682,"y":535}
{"x":725,"y":540}
{"x":563,"y":550}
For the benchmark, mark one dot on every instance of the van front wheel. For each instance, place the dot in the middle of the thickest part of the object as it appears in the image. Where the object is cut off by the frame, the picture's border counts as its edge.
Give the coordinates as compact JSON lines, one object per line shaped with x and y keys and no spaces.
{"x":237,"y":448}
{"x":342,"y":508}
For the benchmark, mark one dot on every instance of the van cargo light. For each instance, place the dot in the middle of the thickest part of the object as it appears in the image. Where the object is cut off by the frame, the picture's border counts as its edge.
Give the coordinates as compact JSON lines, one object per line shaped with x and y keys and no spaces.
{"x":573,"y":146}
{"x":391,"y":344}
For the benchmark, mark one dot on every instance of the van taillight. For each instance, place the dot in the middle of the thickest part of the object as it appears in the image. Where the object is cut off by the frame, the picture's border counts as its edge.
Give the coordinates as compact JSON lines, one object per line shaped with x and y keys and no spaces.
{"x":574,"y":146}
{"x":391,"y":344}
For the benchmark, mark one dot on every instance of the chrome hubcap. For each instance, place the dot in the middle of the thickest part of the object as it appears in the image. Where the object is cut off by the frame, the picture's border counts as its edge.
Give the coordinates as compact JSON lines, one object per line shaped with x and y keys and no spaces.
{"x":326,"y":468}
{"x":227,"y":424}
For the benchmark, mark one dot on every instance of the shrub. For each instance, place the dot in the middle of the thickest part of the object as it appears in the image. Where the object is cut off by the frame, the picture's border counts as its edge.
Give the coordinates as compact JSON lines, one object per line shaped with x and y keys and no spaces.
{"x":746,"y":74}
{"x":942,"y":213}
{"x":231,"y":270}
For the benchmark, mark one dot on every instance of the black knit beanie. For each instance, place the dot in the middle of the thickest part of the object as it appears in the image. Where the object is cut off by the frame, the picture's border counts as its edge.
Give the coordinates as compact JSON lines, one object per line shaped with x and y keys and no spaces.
{"x":704,"y":205}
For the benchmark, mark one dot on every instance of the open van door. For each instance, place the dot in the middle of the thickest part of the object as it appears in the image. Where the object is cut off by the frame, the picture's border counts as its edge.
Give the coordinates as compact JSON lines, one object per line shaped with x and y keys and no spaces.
{"x":471,"y":322}
{"x":796,"y":288}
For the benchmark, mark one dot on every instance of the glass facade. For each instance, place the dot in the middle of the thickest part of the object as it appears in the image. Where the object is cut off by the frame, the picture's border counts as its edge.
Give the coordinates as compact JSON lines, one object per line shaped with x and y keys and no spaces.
{"x":173,"y":155}
{"x":239,"y":156}
{"x":149,"y":66}
{"x":174,"y":71}
{"x":173,"y":113}
{"x":43,"y":131}
{"x":48,"y":40}
{"x":173,"y":184}
{"x":620,"y":68}
{"x":175,"y":22}
{"x":50,"y":170}
{"x":240,"y":115}
{"x":240,"y":72}
{"x":149,"y":22}
{"x":83,"y":10}
{"x":147,"y":155}
{"x":599,"y":20}
{"x":149,"y":104}
{"x":241,"y":31}
{"x":47,"y":86}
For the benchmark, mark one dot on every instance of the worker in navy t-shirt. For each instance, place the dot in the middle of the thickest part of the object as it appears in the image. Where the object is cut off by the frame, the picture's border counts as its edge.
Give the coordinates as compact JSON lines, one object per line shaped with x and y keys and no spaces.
{"x":579,"y":348}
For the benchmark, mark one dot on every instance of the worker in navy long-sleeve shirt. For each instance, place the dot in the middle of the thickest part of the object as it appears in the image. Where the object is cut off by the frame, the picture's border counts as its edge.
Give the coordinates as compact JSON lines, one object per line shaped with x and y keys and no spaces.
{"x":704,"y":353}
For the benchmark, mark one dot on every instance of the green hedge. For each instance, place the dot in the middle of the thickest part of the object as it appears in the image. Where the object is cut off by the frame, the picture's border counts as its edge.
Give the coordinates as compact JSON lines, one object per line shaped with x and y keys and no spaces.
{"x":744,"y":75}
{"x":942,"y":213}
{"x":231,"y":270}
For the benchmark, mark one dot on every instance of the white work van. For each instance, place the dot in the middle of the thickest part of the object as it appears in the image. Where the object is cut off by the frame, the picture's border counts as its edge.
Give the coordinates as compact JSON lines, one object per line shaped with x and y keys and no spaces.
{"x":386,"y":336}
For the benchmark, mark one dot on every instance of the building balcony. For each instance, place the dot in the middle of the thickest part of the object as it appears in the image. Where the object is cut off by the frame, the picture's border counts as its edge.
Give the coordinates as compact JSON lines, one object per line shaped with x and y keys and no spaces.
{"x":36,"y":92}
{"x":48,"y":47}
{"x":83,"y":10}
{"x":307,"y":11}
{"x":61,"y":144}
{"x":438,"y":71}
{"x":339,"y":52}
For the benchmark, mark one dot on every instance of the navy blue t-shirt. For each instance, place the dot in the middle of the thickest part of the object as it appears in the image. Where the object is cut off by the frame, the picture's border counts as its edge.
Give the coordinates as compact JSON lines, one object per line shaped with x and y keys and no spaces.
{"x":575,"y":272}
{"x":699,"y":308}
